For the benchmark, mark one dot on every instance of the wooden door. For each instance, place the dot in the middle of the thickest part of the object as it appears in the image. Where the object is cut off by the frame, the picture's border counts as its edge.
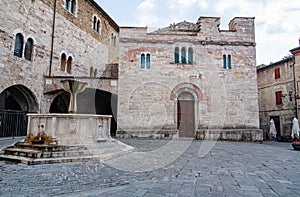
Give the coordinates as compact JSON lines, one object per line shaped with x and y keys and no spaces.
{"x":186,"y":120}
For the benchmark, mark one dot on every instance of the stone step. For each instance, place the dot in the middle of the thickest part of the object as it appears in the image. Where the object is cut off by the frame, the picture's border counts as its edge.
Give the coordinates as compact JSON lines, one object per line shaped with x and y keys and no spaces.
{"x":86,"y":158}
{"x":40,"y":154}
{"x":46,"y":148}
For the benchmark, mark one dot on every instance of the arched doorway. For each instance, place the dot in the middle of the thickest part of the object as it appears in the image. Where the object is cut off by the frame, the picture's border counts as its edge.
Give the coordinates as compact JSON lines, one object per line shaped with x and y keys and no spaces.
{"x":186,"y":115}
{"x":18,"y":97}
{"x":90,"y":101}
{"x":60,"y":104}
{"x":15,"y":102}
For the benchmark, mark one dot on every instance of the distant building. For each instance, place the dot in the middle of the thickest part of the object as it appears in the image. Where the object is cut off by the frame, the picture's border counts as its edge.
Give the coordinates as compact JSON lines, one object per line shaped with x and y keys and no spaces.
{"x":189,"y":79}
{"x":278,"y":90}
{"x":276,"y":93}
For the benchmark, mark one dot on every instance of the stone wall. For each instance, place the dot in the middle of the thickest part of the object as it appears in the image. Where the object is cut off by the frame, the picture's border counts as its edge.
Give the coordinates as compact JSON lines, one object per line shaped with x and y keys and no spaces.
{"x":267,"y":88}
{"x":224,"y":98}
{"x":74,"y":36}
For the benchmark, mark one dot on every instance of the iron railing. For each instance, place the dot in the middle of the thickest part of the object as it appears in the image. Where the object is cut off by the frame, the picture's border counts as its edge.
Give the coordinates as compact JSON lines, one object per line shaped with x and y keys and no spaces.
{"x":13,"y":123}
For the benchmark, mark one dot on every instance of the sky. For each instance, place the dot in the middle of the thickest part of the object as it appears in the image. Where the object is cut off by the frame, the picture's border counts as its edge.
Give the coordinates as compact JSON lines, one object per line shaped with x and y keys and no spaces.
{"x":277,"y":22}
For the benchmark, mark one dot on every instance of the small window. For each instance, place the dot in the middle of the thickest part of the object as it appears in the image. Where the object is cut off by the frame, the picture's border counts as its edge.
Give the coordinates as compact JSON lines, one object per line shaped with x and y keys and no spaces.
{"x":28,"y":49}
{"x":18,"y":51}
{"x":224,"y":62}
{"x":143,"y":61}
{"x":176,"y":55}
{"x":70,"y":6}
{"x":148,"y":61}
{"x":190,"y":56}
{"x":277,"y":73}
{"x":73,"y":4}
{"x":67,"y":6}
{"x":95,"y":23}
{"x":69,"y":65}
{"x":98,"y":26}
{"x":278,"y":98}
{"x":229,"y":62}
{"x":183,"y":55}
{"x":63,"y":62}
{"x":291,"y":96}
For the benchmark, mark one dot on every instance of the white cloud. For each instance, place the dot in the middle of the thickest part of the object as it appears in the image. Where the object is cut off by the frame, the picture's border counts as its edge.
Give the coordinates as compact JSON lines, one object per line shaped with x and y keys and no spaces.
{"x":203,"y":4}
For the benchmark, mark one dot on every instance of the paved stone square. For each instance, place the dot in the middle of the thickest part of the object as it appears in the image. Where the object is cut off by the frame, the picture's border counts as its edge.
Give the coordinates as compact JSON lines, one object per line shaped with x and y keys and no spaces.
{"x":228,"y":169}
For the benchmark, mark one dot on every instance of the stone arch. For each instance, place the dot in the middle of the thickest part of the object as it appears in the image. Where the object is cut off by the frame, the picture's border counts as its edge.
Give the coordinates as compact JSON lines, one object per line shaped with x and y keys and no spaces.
{"x":18,"y":97}
{"x":186,"y":97}
{"x":186,"y":87}
{"x":90,"y":101}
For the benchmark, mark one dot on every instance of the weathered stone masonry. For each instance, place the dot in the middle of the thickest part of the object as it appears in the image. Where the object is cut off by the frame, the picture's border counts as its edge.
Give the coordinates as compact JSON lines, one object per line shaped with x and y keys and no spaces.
{"x":225,"y":100}
{"x":74,"y":36}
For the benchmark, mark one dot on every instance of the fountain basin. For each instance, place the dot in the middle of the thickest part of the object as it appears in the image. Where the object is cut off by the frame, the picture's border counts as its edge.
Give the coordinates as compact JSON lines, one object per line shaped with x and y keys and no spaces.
{"x":71,"y":129}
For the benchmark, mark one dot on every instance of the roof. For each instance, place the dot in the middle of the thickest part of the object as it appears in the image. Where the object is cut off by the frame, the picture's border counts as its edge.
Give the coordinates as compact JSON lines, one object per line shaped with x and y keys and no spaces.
{"x":295,"y":49}
{"x":284,"y":60}
{"x":106,"y":16}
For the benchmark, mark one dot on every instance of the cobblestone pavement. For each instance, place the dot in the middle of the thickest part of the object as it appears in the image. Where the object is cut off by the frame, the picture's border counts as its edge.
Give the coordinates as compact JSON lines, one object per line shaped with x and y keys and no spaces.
{"x":229,"y":169}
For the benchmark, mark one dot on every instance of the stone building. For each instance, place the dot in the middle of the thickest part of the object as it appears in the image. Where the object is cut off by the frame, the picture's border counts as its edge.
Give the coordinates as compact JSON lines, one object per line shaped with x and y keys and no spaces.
{"x":185,"y":80}
{"x":189,"y":79}
{"x":44,"y":42}
{"x":276,"y":90}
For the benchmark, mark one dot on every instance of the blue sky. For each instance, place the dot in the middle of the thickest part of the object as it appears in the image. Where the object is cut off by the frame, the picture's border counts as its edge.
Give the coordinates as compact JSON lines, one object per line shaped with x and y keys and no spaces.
{"x":277,"y":22}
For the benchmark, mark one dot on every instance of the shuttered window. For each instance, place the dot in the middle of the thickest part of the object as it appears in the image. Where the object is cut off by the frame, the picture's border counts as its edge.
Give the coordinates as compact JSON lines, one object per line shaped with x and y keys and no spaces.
{"x":277,"y":73}
{"x":278,"y":97}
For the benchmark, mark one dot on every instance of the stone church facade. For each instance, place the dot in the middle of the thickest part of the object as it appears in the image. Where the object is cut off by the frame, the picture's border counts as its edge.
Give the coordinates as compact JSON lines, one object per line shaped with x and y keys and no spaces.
{"x":189,"y":79}
{"x":186,"y":80}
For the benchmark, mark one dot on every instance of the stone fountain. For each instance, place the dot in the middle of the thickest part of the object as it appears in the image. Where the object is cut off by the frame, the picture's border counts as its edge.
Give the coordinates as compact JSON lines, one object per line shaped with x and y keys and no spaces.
{"x":53,"y":138}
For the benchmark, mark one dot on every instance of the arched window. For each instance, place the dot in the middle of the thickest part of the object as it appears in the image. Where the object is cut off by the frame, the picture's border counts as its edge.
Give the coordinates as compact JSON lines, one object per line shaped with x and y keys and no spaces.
{"x":148,"y":61}
{"x":229,"y":62}
{"x":69,"y":65}
{"x":143,"y":61}
{"x":94,"y":23}
{"x":73,"y":5}
{"x":176,"y":55}
{"x":183,"y":55}
{"x":28,"y":49}
{"x":98,"y":26}
{"x":95,"y":72}
{"x":63,"y":62}
{"x":190,"y":56}
{"x":224,"y":61}
{"x":18,"y":51}
{"x":67,"y":6}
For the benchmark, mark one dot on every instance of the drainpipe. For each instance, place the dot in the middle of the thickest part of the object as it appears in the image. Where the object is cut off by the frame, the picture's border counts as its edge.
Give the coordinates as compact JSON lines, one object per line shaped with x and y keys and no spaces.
{"x":295,"y":93}
{"x":52,"y":37}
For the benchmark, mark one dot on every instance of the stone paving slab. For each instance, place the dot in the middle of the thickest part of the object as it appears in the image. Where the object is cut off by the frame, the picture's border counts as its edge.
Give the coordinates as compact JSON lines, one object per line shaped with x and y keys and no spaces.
{"x":228,"y":169}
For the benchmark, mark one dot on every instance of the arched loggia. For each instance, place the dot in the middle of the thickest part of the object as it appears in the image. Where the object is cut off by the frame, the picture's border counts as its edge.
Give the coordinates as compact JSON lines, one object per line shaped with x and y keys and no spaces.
{"x":91,"y":101}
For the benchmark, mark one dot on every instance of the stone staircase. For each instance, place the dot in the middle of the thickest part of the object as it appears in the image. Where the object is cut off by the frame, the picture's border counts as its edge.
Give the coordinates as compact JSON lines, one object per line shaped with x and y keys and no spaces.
{"x":32,"y":154}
